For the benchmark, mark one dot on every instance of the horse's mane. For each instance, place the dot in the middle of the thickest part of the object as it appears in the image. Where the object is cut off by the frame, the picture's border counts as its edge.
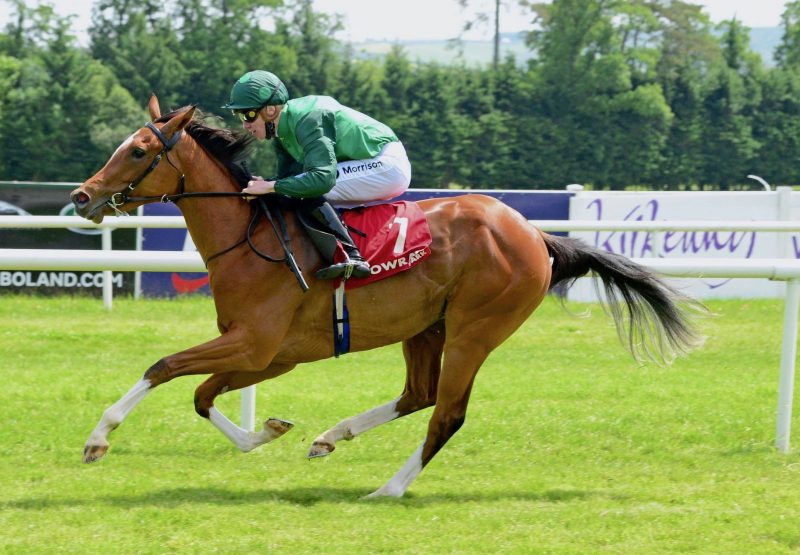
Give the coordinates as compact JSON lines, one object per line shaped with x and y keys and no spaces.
{"x":229,"y":147}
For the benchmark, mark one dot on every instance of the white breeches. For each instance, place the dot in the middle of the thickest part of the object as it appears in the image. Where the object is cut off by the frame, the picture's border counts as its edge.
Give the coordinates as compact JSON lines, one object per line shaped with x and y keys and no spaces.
{"x":364,"y":182}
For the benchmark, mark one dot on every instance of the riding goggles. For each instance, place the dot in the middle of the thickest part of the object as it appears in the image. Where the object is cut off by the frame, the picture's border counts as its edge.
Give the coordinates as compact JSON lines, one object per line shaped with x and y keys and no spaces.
{"x":250,"y":115}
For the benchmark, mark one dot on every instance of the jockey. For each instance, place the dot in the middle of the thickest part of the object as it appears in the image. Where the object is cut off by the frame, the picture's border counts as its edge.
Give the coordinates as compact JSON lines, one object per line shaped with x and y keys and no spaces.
{"x":327,"y":152}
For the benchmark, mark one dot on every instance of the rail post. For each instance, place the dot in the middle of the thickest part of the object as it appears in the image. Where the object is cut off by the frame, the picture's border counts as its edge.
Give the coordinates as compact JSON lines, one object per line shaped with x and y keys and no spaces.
{"x":788,"y":352}
{"x":108,"y":281}
{"x":137,"y":276}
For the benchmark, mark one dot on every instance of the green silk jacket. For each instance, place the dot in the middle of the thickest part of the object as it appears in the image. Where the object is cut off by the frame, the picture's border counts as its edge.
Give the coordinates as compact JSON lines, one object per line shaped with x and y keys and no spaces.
{"x":316,"y":132}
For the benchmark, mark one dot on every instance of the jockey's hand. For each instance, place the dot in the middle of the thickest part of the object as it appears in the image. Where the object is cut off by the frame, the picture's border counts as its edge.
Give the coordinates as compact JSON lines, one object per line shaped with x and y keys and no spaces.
{"x":259,"y":187}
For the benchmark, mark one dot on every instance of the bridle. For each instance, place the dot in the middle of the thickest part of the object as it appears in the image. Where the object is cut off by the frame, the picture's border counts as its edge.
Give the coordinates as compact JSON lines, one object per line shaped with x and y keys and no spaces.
{"x":123,"y":197}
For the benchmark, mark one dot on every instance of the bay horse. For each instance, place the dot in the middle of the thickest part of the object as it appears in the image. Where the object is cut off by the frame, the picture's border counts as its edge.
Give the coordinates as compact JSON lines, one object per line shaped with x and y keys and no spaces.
{"x":489,"y":269}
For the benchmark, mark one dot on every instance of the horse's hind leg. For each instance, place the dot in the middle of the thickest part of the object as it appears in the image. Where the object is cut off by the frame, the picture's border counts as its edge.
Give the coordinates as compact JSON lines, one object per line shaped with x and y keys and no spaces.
{"x":423,"y":354}
{"x":455,"y":385}
{"x":218,"y":384}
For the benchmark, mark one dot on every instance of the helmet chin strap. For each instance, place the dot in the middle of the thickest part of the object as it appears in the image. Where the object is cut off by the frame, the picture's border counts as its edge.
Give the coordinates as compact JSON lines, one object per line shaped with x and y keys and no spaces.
{"x":270,"y":130}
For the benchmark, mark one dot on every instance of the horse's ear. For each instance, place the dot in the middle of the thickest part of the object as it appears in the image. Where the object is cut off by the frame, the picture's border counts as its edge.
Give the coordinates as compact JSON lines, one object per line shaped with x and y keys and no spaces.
{"x":155,"y":110}
{"x":179,"y":121}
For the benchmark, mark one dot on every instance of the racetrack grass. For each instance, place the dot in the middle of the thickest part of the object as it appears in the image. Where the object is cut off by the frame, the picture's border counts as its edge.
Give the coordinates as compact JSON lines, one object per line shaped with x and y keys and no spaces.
{"x":569,"y":446}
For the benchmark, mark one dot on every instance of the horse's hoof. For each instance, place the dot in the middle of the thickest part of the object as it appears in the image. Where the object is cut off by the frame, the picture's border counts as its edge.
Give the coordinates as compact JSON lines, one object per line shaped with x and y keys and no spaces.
{"x":383,"y":493}
{"x":320,"y":449}
{"x":277,"y":427}
{"x":92,"y":453}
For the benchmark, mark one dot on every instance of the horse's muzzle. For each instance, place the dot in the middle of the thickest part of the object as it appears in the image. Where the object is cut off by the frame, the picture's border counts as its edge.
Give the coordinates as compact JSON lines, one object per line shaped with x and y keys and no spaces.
{"x":84,"y":206}
{"x":81,"y":201}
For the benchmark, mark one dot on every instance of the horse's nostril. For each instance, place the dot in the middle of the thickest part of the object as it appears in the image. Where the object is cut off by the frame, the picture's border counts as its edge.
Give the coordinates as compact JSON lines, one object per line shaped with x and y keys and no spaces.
{"x":80,"y":198}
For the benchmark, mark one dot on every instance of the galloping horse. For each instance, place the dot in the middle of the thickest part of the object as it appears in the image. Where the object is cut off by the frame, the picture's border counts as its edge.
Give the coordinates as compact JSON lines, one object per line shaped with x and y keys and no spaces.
{"x":489,"y":269}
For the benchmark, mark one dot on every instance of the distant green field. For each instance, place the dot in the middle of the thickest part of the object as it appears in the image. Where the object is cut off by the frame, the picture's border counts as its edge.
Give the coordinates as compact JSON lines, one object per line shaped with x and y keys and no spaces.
{"x":472,"y":53}
{"x":568,"y":447}
{"x":763,"y":41}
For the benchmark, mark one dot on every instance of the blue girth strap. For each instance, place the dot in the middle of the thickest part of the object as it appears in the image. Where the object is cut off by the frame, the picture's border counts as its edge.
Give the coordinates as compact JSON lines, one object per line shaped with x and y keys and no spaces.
{"x":341,"y":322}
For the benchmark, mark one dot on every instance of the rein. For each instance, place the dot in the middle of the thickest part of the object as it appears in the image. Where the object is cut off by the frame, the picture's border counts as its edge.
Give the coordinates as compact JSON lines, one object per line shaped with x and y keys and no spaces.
{"x":281,"y":232}
{"x":123,"y":197}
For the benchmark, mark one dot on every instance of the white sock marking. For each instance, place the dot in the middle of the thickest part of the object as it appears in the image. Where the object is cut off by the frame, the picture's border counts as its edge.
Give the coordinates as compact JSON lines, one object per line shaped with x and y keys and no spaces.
{"x":370,"y":419}
{"x":243,"y":439}
{"x":399,"y":483}
{"x":350,"y":428}
{"x":116,"y":413}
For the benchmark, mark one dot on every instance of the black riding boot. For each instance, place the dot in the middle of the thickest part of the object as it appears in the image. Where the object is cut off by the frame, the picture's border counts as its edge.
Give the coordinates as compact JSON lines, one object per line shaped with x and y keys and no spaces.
{"x":355,"y":266}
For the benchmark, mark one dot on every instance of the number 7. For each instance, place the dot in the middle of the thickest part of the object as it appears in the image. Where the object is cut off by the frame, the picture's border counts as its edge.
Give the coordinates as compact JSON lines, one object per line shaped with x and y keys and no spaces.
{"x":400,"y":244}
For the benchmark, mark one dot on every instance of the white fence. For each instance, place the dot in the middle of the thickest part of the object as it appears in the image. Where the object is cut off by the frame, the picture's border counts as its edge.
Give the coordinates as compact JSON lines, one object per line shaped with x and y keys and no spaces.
{"x":160,"y":261}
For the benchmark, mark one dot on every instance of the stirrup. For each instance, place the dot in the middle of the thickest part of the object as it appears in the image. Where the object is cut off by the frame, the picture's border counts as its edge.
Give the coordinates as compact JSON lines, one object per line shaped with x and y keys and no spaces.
{"x":350,"y":268}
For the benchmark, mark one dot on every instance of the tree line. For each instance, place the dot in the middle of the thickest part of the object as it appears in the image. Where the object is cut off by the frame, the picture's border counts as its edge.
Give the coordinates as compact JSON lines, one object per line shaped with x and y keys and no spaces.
{"x":628,"y":93}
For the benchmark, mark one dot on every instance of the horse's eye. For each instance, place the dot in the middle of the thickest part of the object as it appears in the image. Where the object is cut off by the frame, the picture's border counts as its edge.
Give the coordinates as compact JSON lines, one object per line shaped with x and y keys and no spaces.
{"x":138,"y":153}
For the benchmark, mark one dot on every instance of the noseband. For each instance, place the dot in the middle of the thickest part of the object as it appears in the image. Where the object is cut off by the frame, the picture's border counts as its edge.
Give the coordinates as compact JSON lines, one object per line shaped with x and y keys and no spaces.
{"x":123,"y":197}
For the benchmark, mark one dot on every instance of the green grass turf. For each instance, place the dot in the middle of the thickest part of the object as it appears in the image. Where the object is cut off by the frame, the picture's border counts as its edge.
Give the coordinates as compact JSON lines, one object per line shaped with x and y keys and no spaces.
{"x":569,"y":446}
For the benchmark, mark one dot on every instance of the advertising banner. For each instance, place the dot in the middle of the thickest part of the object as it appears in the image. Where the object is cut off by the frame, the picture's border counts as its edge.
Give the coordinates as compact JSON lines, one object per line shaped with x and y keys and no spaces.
{"x":52,"y":199}
{"x":20,"y":199}
{"x":534,"y":205}
{"x":169,"y":284}
{"x":697,"y":206}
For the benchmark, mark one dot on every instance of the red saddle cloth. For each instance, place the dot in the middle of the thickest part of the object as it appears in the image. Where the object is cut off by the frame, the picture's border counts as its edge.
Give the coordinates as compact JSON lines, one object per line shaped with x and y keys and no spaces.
{"x":392,"y":237}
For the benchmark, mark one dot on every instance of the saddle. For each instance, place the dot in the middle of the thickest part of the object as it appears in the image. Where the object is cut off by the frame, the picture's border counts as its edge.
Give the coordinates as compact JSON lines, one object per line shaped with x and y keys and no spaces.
{"x":392,"y":238}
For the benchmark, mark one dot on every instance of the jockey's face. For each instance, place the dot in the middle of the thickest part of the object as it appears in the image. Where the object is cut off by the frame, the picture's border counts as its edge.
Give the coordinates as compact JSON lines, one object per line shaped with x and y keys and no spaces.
{"x":265,"y":124}
{"x":256,"y":127}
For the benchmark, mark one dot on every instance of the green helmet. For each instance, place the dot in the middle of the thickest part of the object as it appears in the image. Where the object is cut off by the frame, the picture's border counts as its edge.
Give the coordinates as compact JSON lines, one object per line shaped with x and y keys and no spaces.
{"x":256,"y":89}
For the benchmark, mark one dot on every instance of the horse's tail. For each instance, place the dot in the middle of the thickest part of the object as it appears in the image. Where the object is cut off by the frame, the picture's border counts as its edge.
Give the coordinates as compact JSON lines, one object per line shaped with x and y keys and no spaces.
{"x":650,"y":313}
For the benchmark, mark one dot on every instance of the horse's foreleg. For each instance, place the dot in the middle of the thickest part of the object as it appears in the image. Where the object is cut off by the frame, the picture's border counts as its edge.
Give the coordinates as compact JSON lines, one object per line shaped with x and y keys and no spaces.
{"x":423,"y":354}
{"x":230,"y":352}
{"x":97,"y":444}
{"x":218,"y":384}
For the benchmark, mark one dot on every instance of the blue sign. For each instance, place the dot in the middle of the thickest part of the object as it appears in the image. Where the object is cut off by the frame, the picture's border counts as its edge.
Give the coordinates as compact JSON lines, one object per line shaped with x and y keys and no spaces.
{"x":169,"y":284}
{"x":534,"y":205}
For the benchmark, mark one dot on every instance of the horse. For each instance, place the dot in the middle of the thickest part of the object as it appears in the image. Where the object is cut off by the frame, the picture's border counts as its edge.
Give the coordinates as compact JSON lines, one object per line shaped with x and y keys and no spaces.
{"x":488,"y":271}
